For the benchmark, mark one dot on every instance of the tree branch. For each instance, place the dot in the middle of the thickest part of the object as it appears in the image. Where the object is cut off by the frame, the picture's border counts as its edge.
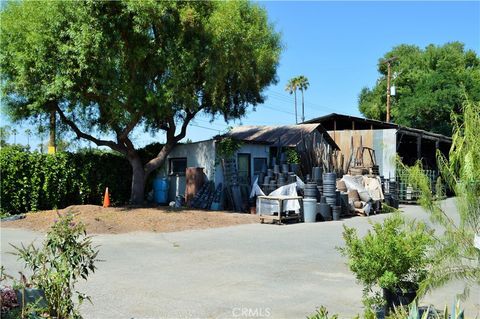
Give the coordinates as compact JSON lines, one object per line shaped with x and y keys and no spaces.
{"x":80,"y":134}
{"x":130,"y":126}
{"x":172,"y":140}
{"x":183,"y":130}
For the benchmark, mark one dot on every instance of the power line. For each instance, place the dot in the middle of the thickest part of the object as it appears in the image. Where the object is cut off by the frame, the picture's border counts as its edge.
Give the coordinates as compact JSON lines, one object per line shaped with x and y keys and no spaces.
{"x":278,"y":110}
{"x":211,"y":123}
{"x":307,"y":104}
{"x":204,"y":127}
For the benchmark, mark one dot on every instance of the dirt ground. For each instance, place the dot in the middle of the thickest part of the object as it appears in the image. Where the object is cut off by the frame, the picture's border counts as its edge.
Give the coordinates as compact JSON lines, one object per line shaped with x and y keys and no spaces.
{"x":115,"y":220}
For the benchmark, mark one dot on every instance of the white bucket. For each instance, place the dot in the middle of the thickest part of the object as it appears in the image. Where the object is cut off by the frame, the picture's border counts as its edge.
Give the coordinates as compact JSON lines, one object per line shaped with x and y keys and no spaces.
{"x":309,"y":210}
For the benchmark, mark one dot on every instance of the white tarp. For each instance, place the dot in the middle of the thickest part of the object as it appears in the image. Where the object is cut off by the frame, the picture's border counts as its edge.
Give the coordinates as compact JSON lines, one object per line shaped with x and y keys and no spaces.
{"x":373,"y":185}
{"x":256,"y":190}
{"x":288,"y":190}
{"x":268,"y":207}
{"x":356,"y":183}
{"x":367,"y":187}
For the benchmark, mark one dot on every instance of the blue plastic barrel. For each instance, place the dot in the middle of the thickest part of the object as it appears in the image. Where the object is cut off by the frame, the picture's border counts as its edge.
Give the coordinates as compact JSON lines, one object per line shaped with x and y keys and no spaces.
{"x":160,"y":190}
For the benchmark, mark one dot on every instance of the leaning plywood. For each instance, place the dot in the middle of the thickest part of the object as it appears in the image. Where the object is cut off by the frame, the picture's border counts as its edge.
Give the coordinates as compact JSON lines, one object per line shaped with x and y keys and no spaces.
{"x":382,"y":141}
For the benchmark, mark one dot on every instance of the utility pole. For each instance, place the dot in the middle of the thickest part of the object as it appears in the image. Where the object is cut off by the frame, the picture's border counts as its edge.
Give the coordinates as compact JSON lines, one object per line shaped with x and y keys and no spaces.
{"x":389,"y":74}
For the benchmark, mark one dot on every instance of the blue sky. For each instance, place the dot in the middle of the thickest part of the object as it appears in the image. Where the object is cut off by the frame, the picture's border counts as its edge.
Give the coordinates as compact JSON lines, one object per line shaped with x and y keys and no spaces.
{"x":337,"y":46}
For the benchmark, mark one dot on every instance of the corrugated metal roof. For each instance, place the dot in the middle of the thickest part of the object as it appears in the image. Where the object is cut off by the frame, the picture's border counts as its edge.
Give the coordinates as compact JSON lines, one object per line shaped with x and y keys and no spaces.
{"x":286,"y":135}
{"x":375,"y":124}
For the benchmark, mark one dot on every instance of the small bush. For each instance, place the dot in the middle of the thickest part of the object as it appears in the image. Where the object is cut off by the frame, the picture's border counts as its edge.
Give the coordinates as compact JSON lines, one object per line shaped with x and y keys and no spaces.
{"x":392,"y":255}
{"x":67,"y":255}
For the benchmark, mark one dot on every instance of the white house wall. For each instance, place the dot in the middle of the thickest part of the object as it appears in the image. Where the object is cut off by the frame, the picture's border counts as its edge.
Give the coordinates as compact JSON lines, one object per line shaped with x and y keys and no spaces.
{"x":199,"y":154}
{"x":202,"y":154}
{"x":255,"y":150}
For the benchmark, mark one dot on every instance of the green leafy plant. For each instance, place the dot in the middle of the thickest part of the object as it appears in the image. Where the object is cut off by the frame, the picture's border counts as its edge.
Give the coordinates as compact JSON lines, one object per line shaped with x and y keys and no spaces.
{"x":413,"y":312}
{"x":33,"y":181}
{"x":455,"y":254}
{"x":292,"y":156}
{"x":410,"y":312}
{"x":322,"y":313}
{"x":430,"y":84}
{"x":67,"y":255}
{"x":226,"y":148}
{"x":391,"y":256}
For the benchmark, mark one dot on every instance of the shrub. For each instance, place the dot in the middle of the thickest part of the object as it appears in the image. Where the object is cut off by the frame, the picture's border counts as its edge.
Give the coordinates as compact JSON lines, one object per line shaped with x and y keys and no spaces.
{"x":456,"y":256}
{"x":392,"y":255}
{"x":33,"y":181}
{"x":322,"y":313}
{"x":67,"y":255}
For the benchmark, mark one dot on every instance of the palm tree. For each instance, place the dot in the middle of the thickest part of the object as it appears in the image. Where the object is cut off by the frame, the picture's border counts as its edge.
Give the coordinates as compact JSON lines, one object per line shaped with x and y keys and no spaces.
{"x":292,"y":87}
{"x":41,"y":134}
{"x":14,"y":133}
{"x":28,"y":132}
{"x":303,"y":85}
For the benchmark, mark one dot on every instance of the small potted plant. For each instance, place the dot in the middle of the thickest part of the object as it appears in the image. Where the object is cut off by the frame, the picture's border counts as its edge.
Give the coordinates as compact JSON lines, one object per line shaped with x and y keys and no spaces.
{"x":293,"y":159}
{"x":392,"y":257}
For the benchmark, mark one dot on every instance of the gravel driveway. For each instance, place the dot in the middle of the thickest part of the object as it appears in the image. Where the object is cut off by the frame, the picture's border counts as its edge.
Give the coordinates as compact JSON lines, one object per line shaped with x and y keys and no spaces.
{"x":245,"y":271}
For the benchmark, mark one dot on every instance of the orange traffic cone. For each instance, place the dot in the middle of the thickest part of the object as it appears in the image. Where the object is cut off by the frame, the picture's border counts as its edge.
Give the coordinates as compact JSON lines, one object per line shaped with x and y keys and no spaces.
{"x":106,"y":199}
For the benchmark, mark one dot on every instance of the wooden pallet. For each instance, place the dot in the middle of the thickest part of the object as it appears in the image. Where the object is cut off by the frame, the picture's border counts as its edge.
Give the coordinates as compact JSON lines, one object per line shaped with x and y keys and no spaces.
{"x":278,"y":220}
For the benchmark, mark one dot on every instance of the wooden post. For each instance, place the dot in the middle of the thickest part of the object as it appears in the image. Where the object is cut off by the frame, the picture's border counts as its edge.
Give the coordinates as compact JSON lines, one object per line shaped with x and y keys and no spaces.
{"x":388,"y":92}
{"x":389,"y":74}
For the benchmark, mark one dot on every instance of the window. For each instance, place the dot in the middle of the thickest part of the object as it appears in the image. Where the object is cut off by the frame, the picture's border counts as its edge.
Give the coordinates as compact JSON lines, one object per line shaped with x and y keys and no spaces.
{"x":178,"y":166}
{"x":258,"y":164}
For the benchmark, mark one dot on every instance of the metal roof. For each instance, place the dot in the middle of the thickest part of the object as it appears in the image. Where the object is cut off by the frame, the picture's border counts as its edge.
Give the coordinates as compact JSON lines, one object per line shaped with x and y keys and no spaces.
{"x":286,"y":135}
{"x":363,"y":123}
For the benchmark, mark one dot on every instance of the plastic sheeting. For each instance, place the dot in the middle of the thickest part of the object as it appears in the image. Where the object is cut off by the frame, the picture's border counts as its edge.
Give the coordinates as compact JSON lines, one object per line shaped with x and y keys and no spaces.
{"x":356,"y":183}
{"x":269,"y":207}
{"x":256,"y":190}
{"x":367,"y":187}
{"x":374,"y":187}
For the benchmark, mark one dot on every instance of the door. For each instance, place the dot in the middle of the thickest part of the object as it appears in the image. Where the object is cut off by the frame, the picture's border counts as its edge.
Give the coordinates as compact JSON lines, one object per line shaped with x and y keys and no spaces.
{"x":244,"y":168}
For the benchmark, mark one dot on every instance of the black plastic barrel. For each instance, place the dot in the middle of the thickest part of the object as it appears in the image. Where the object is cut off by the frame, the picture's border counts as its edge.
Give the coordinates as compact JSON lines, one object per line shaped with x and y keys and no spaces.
{"x":345,"y":205}
{"x":310,"y":190}
{"x":336,"y":212}
{"x":325,"y":211}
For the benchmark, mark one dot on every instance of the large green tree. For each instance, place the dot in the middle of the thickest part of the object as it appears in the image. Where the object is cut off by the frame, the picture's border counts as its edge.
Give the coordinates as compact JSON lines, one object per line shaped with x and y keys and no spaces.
{"x":430,"y":84}
{"x":108,"y":67}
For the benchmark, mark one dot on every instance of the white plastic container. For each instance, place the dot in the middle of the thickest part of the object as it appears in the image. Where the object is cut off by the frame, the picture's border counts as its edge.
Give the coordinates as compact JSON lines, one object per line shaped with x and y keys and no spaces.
{"x":309,"y":210}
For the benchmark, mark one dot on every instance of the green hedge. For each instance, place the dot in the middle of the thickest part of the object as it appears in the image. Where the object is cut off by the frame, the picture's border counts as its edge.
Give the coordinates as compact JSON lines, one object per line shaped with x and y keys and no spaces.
{"x":32,"y":181}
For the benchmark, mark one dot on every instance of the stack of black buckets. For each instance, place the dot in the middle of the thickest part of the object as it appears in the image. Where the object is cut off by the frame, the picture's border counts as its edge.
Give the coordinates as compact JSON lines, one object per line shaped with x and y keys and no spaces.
{"x":322,"y":187}
{"x":331,"y":197}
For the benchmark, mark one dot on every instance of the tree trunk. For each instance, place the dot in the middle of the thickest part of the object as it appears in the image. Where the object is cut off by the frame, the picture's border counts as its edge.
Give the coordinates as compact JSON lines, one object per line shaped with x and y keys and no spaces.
{"x":51,"y":142}
{"x":137,"y":194}
{"x":296,"y":118}
{"x":140,"y":173}
{"x":303,"y":109}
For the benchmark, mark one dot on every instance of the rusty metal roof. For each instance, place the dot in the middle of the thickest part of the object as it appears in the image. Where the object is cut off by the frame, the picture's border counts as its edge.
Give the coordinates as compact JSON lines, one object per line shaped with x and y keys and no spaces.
{"x":335,"y":121}
{"x":286,"y":135}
